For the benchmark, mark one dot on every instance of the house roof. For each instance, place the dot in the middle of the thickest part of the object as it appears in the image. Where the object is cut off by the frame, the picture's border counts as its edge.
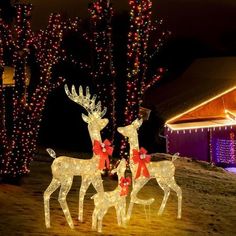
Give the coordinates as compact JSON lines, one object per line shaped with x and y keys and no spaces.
{"x":206,"y":79}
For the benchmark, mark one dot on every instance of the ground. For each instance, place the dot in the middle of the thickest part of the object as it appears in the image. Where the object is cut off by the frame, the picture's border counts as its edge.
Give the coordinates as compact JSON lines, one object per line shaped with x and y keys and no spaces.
{"x":209,"y":205}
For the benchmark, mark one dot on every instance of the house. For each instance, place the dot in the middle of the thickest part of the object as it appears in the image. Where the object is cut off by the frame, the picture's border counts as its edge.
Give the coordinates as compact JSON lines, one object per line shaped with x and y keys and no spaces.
{"x":199,"y":111}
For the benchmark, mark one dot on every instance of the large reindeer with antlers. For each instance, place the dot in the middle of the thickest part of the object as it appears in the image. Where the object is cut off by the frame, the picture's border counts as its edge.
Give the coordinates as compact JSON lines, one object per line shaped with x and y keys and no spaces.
{"x":162,"y":171}
{"x":65,"y":168}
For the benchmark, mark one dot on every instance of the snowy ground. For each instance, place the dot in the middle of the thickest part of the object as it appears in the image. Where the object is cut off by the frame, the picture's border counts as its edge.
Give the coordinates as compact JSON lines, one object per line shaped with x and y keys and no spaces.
{"x":209,"y":205}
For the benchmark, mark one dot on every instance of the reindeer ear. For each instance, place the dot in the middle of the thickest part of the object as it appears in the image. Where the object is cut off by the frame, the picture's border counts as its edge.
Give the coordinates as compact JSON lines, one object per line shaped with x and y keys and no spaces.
{"x":124,"y":161}
{"x":114,"y":171}
{"x":137,"y":123}
{"x":140,"y":121}
{"x":104,"y":123}
{"x":120,"y":130}
{"x":85,"y":118}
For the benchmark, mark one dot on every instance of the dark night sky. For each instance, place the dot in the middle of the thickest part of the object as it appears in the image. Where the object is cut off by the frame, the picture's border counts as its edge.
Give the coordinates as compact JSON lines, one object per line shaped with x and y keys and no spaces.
{"x":206,"y":20}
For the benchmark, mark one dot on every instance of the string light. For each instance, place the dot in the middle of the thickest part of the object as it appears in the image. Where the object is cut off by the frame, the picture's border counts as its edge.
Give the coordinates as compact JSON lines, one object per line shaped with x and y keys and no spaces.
{"x":103,"y":71}
{"x":46,"y":48}
{"x":139,"y":53}
{"x":223,"y":149}
{"x":19,"y":146}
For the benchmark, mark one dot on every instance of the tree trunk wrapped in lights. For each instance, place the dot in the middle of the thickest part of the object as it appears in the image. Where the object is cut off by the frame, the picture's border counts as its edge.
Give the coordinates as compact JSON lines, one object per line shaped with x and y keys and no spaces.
{"x":144,"y":41}
{"x":19,"y":144}
{"x":102,"y":68}
{"x":140,"y":51}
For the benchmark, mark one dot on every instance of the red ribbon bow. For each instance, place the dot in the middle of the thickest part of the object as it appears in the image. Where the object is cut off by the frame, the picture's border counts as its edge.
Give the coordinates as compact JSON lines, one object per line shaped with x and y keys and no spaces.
{"x":142,"y":159}
{"x":124,"y":183}
{"x":103,"y":150}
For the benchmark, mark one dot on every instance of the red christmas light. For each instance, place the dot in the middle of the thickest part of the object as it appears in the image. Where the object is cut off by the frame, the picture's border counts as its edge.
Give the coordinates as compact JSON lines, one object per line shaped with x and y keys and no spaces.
{"x":103,"y":71}
{"x":19,"y":144}
{"x":139,"y":53}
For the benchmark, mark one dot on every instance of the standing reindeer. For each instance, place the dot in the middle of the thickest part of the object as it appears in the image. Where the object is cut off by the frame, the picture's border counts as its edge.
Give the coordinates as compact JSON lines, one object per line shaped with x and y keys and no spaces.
{"x":65,"y":168}
{"x":116,"y":198}
{"x":162,"y":171}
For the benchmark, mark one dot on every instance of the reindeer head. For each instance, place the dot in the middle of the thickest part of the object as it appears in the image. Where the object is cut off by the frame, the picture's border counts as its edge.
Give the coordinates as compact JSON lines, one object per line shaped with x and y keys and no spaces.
{"x":95,"y":113}
{"x":130,"y":130}
{"x":120,"y":169}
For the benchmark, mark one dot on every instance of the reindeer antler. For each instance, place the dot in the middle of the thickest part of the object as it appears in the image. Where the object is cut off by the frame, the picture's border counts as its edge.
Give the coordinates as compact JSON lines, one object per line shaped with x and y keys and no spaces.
{"x":88,"y":103}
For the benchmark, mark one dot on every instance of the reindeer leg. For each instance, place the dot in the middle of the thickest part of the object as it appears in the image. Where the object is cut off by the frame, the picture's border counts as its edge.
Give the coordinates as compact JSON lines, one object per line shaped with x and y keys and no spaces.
{"x":166,"y":190}
{"x":139,"y":183}
{"x":94,"y":218}
{"x":97,"y":183}
{"x":101,"y":214}
{"x":118,"y":215}
{"x":123,"y":213}
{"x":65,"y":188}
{"x":83,"y":189}
{"x":172,"y":184}
{"x":129,"y":212}
{"x":46,"y":196}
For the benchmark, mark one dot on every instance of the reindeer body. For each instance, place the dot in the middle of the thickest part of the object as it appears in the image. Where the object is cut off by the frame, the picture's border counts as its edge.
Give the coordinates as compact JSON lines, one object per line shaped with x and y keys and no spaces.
{"x":103,"y":201}
{"x":65,"y":168}
{"x":73,"y":166}
{"x":162,"y":171}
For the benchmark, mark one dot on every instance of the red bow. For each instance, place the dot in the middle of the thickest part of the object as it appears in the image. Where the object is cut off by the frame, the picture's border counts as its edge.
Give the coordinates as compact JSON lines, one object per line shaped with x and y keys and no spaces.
{"x":141,"y":158}
{"x":124,"y":183}
{"x":103,"y":150}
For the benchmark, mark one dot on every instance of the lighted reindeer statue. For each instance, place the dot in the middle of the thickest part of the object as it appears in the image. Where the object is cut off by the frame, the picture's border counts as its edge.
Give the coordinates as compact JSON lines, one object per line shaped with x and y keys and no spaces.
{"x":116,"y":198}
{"x":65,"y":168}
{"x":162,"y":171}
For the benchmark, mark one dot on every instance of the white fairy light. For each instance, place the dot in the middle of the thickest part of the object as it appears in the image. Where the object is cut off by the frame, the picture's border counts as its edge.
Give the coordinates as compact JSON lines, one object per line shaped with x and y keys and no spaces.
{"x":65,"y":168}
{"x":162,"y":171}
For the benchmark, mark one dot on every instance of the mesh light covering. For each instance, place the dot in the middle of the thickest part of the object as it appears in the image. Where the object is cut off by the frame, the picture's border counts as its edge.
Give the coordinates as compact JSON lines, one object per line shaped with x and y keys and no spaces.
{"x":116,"y":198}
{"x":162,"y":171}
{"x":65,"y":168}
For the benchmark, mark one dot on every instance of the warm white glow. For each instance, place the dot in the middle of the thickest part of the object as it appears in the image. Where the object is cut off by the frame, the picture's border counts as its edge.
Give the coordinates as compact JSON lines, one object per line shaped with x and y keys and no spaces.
{"x":230,"y":115}
{"x":115,"y":198}
{"x":162,"y":171}
{"x":202,"y":124}
{"x":199,"y":105}
{"x":65,"y":168}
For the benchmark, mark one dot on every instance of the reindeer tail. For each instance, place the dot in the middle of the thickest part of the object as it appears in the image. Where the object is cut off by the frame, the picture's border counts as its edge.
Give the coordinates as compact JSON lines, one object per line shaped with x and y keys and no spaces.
{"x":51,"y":152}
{"x":175,"y":156}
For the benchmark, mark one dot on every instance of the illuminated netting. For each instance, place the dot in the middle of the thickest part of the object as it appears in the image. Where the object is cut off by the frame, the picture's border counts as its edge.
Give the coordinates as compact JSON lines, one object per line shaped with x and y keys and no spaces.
{"x":139,"y":55}
{"x":65,"y":168}
{"x":225,"y":150}
{"x":163,"y":172}
{"x":115,"y":198}
{"x":19,"y":145}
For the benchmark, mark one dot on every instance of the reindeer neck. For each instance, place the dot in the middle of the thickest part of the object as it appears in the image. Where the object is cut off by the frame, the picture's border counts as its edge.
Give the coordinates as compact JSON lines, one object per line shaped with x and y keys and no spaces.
{"x":134,"y":144}
{"x":95,"y":135}
{"x":119,"y":177}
